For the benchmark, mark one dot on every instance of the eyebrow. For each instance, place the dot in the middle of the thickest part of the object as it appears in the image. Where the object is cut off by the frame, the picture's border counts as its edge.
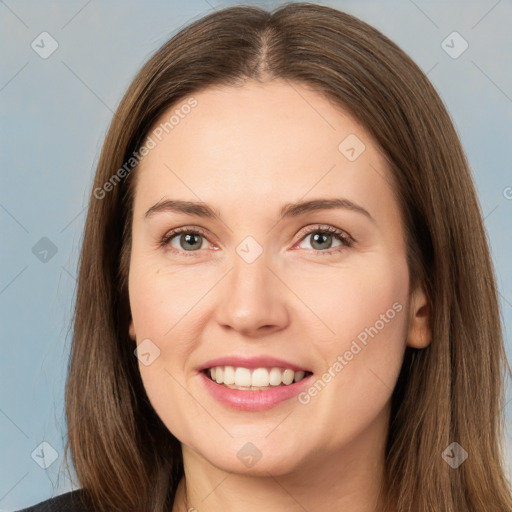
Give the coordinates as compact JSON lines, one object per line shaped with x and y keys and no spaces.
{"x":201,"y":209}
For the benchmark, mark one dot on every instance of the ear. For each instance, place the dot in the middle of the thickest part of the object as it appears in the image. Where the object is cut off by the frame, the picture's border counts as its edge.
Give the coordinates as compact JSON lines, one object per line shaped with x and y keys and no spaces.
{"x":131,"y":331}
{"x":419,"y":334}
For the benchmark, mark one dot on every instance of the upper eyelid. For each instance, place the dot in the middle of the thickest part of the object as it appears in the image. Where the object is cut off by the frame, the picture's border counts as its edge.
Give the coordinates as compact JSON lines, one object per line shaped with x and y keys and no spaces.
{"x":324,"y":227}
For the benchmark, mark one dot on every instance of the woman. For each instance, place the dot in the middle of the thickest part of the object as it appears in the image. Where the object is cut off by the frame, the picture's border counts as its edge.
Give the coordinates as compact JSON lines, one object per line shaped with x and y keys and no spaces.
{"x":284,"y":231}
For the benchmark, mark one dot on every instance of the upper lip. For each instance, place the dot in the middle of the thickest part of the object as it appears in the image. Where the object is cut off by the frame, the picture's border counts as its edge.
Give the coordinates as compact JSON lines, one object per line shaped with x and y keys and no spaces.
{"x":252,"y":362}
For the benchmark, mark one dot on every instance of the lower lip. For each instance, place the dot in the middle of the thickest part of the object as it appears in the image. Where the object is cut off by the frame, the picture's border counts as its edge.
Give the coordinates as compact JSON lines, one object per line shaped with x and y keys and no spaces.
{"x":253,"y":400}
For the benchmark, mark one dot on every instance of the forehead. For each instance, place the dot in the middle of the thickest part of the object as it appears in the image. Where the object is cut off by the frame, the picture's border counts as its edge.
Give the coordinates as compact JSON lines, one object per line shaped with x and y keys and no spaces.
{"x":272,"y":140}
{"x":276,"y":117}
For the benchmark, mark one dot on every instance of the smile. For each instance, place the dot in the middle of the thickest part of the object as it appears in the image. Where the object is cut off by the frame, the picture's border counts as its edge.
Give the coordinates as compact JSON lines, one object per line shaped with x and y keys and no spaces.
{"x":254,"y":378}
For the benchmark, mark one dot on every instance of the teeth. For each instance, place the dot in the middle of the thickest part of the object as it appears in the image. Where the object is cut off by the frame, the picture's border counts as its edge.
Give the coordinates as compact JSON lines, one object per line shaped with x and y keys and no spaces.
{"x":260,"y":378}
{"x":242,"y":377}
{"x":275,"y":377}
{"x":229,"y":375}
{"x":299,"y":376}
{"x":288,"y":376}
{"x":239,"y":377}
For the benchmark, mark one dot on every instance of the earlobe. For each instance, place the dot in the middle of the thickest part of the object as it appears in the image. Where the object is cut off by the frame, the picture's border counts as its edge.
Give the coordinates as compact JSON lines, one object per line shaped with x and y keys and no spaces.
{"x":131,"y":331}
{"x":419,"y":334}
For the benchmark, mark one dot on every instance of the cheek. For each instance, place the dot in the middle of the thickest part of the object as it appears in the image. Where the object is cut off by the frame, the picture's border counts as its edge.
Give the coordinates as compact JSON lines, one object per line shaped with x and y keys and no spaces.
{"x":350,"y":301}
{"x":166,"y":309}
{"x":161,"y":308}
{"x":364,"y":357}
{"x":162,"y":300}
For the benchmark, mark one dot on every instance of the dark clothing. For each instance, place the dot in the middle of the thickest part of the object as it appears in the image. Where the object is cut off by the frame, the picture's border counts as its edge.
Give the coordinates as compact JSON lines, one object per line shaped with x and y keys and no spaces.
{"x":69,"y":502}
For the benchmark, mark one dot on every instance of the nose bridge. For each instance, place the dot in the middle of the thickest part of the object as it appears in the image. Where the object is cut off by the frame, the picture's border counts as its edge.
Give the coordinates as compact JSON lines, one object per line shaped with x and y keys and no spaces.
{"x":250,"y":296}
{"x":249,"y":278}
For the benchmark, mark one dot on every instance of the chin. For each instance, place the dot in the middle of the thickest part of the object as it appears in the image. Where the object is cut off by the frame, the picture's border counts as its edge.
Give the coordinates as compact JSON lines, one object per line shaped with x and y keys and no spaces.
{"x":277,"y":464}
{"x":252,"y":458}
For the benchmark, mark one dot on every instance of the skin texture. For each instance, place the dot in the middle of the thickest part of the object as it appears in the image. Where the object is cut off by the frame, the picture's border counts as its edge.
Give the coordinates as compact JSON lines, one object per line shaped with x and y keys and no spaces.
{"x":247,"y":151}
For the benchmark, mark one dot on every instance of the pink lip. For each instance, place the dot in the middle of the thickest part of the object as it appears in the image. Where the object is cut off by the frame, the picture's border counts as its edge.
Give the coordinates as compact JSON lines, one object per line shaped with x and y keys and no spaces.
{"x":252,"y":362}
{"x":252,"y":400}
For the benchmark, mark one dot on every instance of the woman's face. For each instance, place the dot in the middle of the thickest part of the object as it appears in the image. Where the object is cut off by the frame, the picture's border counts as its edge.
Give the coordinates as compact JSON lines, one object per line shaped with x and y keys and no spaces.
{"x":290,"y":265}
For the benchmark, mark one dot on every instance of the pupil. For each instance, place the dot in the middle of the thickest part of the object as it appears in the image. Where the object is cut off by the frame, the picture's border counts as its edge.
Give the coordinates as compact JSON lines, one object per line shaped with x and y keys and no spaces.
{"x":319,"y":238}
{"x":189,"y":239}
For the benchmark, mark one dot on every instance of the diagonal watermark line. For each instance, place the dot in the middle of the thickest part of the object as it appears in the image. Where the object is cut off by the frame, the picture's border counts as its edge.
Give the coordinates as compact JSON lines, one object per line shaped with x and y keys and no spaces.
{"x":384,"y":177}
{"x":301,"y":300}
{"x":219,"y":219}
{"x":505,"y":299}
{"x":12,"y":280}
{"x":291,"y":85}
{"x":75,"y":15}
{"x":12,"y":488}
{"x":491,"y":212}
{"x":198,"y":402}
{"x":504,"y":406}
{"x":213,"y":7}
{"x":1,"y":411}
{"x":68,"y":273}
{"x":85,"y":85}
{"x":13,"y":13}
{"x":13,"y":218}
{"x":76,"y":281}
{"x":305,"y":194}
{"x":213,"y":490}
{"x":280,"y":423}
{"x":287,"y":492}
{"x":492,"y":81}
{"x":432,"y":68}
{"x":321,"y":178}
{"x":73,"y":220}
{"x":198,"y":15}
{"x":15,"y":75}
{"x":485,"y":15}
{"x":193,"y":306}
{"x":424,"y":14}
{"x":370,"y":370}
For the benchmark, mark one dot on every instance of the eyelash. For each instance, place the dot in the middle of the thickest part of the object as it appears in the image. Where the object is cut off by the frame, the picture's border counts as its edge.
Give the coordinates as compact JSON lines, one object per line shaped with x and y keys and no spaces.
{"x":346,"y":240}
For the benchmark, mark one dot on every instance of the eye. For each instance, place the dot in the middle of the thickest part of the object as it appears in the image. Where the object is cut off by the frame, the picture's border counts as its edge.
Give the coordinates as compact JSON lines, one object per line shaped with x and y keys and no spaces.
{"x":321,"y":239}
{"x":185,"y":239}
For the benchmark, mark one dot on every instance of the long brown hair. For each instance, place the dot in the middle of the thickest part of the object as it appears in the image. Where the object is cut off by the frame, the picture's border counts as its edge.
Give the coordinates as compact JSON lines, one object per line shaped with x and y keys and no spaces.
{"x":452,"y":391}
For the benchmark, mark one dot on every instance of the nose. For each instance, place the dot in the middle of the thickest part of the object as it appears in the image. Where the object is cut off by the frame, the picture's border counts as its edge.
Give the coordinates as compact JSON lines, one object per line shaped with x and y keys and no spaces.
{"x":251,"y":299}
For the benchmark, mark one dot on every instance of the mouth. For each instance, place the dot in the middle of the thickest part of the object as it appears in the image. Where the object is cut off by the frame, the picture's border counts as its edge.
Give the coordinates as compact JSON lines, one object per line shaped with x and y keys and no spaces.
{"x":255,"y":383}
{"x":254,"y":379}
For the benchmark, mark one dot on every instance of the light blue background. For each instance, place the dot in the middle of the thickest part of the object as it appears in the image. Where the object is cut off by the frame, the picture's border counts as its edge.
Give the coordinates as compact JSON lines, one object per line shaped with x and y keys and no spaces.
{"x":55,"y":113}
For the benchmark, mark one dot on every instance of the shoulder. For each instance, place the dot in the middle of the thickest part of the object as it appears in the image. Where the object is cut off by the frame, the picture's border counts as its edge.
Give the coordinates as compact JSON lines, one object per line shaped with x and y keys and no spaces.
{"x":70,"y":502}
